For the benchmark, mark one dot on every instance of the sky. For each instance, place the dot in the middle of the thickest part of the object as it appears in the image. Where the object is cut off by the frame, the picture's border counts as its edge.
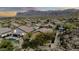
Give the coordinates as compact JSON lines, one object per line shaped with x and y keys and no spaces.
{"x":23,"y":9}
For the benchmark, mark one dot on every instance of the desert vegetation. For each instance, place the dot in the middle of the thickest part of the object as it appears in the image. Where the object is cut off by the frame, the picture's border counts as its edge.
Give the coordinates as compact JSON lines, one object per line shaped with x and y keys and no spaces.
{"x":55,"y":32}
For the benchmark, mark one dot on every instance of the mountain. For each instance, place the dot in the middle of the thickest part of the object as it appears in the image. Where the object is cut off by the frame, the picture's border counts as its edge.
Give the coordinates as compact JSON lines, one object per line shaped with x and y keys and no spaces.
{"x":34,"y":13}
{"x":66,"y":12}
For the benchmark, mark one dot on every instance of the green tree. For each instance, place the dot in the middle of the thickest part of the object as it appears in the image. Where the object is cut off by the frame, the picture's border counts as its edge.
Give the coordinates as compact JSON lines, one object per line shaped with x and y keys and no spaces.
{"x":6,"y":45}
{"x":43,"y":38}
{"x":69,"y":26}
{"x":25,"y":43}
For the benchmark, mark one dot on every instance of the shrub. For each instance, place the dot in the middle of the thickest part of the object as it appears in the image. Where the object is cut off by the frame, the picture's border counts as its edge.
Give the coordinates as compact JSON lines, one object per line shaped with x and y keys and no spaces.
{"x":69,"y":26}
{"x":6,"y":45}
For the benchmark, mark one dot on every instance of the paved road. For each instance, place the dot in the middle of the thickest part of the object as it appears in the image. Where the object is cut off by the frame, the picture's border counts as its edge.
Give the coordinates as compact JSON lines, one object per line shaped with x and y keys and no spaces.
{"x":57,"y":39}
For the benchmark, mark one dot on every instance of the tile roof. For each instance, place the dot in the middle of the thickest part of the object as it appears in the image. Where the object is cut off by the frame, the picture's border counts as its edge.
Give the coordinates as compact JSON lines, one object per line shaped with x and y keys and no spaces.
{"x":26,"y":29}
{"x":45,"y":30}
{"x":4,"y":30}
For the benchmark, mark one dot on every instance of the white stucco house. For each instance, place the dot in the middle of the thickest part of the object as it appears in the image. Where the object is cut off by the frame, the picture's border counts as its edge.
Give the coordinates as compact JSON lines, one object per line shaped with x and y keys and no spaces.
{"x":22,"y":30}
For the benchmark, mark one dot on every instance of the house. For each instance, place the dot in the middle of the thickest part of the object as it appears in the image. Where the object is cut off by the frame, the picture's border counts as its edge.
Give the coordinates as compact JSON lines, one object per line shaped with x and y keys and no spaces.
{"x":5,"y":31}
{"x":76,"y":31}
{"x":44,"y":30}
{"x":38,"y":25}
{"x":22,"y":30}
{"x":49,"y":25}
